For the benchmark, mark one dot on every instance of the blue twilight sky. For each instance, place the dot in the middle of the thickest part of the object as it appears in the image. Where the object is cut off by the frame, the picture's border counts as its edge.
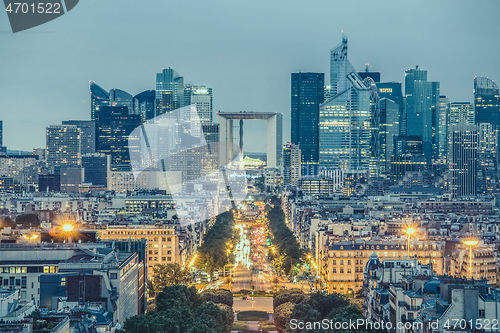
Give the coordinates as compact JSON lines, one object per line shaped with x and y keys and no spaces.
{"x":245,"y":50}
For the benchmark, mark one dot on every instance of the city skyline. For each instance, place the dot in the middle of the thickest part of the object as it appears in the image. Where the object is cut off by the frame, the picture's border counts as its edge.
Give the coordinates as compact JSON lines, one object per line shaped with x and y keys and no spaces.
{"x":59,"y":84}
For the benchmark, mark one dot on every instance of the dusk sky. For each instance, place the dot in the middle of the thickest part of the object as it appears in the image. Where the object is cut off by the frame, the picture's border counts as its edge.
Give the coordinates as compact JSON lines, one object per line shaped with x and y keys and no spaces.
{"x":245,"y":50}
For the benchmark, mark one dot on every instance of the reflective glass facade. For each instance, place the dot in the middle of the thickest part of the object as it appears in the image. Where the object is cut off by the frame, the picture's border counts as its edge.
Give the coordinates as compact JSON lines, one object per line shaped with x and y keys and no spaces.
{"x":486,"y":101}
{"x":307,"y":95}
{"x":487,"y":159}
{"x":169,"y":91}
{"x":463,"y":154}
{"x":345,"y":127}
{"x":202,"y":97}
{"x":422,"y":99}
{"x":389,"y":129}
{"x":146,"y":100}
{"x":98,"y":97}
{"x":444,"y":111}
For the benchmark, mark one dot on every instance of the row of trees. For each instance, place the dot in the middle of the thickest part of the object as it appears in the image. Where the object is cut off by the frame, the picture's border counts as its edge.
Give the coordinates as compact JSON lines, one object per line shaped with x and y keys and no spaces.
{"x":295,"y":304}
{"x":287,"y":252}
{"x":213,"y":253}
{"x":182,"y":309}
{"x":168,"y":275}
{"x":27,"y":220}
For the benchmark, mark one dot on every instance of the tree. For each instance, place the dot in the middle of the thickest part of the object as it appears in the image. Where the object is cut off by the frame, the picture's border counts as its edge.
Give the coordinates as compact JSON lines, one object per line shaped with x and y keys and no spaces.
{"x":7,"y":222}
{"x":293,"y":296}
{"x":349,"y":313}
{"x":282,"y":315}
{"x":324,"y":304}
{"x":218,"y":296}
{"x":306,"y":313}
{"x":169,"y":275}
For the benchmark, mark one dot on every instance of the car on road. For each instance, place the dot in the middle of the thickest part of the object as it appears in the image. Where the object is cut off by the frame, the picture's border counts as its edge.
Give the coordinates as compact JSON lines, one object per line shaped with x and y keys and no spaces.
{"x":244,"y":298}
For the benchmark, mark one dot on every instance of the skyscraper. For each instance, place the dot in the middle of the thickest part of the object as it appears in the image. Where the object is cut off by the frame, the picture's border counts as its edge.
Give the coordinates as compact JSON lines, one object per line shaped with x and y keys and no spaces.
{"x":461,"y":113}
{"x":486,"y":101}
{"x":87,"y":134}
{"x":98,"y":97}
{"x":146,"y":100}
{"x":444,"y":112}
{"x":114,"y":125}
{"x":344,"y":134}
{"x":422,"y":98}
{"x":200,"y":96}
{"x":375,"y":159}
{"x":291,"y":164}
{"x":463,"y":154}
{"x":169,"y":91}
{"x":487,"y":160}
{"x":96,"y":168}
{"x":118,"y":97}
{"x":63,"y":145}
{"x":307,"y":95}
{"x":389,"y":130}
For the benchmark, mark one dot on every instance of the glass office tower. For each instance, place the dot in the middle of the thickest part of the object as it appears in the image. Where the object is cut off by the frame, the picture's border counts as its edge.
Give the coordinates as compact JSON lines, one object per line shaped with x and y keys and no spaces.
{"x":146,"y":100}
{"x":486,"y":101}
{"x":169,"y":91}
{"x":422,"y":99}
{"x":463,"y":154}
{"x":307,"y":95}
{"x":98,"y":97}
{"x":118,"y":97}
{"x":444,"y":112}
{"x":202,"y":97}
{"x":389,"y":130}
{"x":345,"y":118}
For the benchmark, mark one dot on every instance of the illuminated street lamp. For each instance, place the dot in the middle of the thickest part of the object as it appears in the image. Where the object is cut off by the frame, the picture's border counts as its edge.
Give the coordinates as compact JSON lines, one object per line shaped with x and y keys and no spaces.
{"x":67,"y":229}
{"x":409,"y":231}
{"x":470,"y":243}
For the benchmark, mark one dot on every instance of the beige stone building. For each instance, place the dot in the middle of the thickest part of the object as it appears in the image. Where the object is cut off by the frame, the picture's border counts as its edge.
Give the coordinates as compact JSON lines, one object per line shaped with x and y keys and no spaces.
{"x":163,"y":242}
{"x":344,"y":263}
{"x":483,"y":264}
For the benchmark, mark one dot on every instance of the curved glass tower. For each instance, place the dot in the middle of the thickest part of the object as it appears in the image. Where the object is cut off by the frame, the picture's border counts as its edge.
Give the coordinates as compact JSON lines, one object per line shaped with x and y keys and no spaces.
{"x":486,"y":101}
{"x":98,"y":97}
{"x":344,"y":132}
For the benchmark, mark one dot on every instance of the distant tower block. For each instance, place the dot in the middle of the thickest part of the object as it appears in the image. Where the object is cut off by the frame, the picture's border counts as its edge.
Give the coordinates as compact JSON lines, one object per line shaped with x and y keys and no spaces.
{"x":274,"y":135}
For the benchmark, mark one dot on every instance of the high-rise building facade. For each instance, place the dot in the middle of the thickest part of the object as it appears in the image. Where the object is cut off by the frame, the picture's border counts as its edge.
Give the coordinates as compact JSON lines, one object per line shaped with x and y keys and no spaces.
{"x":96,"y":168}
{"x":169,"y":91}
{"x":200,"y":96}
{"x":307,"y":95}
{"x":291,"y":164}
{"x":461,"y":113}
{"x":118,"y":97}
{"x":444,"y":112}
{"x":389,"y":130}
{"x":98,"y":97}
{"x":394,"y":92}
{"x":344,"y":134}
{"x":486,"y":101}
{"x":146,"y":104}
{"x":487,"y":159}
{"x":63,"y":145}
{"x":376,"y":159}
{"x":462,"y":161}
{"x":422,"y":98}
{"x":114,"y":126}
{"x":87,"y":134}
